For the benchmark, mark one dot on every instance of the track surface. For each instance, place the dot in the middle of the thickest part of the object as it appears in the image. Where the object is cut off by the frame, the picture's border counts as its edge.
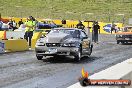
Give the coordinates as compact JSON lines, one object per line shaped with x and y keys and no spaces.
{"x":23,"y":70}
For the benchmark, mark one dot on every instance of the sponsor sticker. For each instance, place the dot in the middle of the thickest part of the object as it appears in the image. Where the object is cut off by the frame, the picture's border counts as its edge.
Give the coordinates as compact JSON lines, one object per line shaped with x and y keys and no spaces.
{"x":85,"y":81}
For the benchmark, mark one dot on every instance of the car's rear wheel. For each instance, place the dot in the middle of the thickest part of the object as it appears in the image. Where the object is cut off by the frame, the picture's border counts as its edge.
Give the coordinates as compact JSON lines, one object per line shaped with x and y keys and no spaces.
{"x":39,"y":57}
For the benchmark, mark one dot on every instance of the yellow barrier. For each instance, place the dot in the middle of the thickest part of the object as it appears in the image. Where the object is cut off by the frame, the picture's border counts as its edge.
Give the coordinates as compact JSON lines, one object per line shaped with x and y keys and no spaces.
{"x":1,"y":35}
{"x":57,"y":22}
{"x":13,"y":45}
{"x":102,"y":29}
{"x":35,"y":37}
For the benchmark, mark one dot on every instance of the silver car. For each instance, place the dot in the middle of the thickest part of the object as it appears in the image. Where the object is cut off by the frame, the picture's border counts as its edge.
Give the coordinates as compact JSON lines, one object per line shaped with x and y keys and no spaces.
{"x":64,"y":41}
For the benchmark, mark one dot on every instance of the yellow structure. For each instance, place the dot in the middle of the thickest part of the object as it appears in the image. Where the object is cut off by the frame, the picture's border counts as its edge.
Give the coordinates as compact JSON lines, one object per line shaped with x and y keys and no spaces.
{"x":13,"y":45}
{"x":73,"y":23}
{"x":102,"y":24}
{"x":57,"y":22}
{"x":102,"y":29}
{"x":35,"y":37}
{"x":1,"y":35}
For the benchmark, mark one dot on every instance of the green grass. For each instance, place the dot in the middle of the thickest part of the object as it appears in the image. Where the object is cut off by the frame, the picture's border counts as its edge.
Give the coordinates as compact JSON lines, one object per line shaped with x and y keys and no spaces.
{"x":103,"y":10}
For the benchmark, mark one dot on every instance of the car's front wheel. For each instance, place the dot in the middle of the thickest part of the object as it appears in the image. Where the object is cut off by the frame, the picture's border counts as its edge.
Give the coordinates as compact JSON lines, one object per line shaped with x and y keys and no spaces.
{"x":78,"y":56}
{"x":39,"y":57}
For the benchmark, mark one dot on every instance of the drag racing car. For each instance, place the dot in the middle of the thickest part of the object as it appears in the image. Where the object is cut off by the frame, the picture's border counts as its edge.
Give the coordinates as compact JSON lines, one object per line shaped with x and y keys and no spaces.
{"x":125,"y":35}
{"x":64,"y":41}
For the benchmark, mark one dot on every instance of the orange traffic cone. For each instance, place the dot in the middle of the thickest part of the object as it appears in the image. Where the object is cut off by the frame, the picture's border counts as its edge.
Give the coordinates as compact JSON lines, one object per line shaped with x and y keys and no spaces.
{"x":4,"y":34}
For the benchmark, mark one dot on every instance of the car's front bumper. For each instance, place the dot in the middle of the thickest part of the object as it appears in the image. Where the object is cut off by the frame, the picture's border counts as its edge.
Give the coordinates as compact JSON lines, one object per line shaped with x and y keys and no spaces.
{"x":51,"y":51}
{"x":124,"y":39}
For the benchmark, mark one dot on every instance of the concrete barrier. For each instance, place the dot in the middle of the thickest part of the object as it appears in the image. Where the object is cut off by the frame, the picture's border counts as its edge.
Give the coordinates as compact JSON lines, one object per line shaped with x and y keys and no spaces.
{"x":13,"y":45}
{"x":122,"y":70}
{"x":2,"y":49}
{"x":15,"y":34}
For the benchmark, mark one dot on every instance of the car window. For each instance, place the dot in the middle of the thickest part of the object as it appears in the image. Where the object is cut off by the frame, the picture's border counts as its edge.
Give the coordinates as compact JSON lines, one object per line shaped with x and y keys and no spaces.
{"x":56,"y":31}
{"x":76,"y":34}
{"x":69,"y":31}
{"x":83,"y":34}
{"x":72,"y":32}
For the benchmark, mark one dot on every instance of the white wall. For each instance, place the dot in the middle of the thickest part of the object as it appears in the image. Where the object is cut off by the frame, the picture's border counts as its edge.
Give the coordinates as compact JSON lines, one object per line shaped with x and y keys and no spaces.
{"x":122,"y":70}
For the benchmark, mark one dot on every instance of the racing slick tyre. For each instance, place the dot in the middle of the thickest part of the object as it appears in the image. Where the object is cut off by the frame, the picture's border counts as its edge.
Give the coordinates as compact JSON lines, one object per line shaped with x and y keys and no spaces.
{"x":78,"y":54}
{"x":78,"y":57}
{"x":39,"y":57}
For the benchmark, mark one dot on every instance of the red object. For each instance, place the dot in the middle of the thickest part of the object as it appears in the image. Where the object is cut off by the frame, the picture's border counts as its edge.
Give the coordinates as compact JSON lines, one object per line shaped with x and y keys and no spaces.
{"x":4,"y":20}
{"x":4,"y":35}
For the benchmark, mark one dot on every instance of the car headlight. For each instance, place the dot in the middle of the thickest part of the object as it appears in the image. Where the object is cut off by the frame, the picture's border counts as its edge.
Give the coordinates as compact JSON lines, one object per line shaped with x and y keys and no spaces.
{"x":66,"y":44}
{"x":73,"y":44}
{"x":40,"y":44}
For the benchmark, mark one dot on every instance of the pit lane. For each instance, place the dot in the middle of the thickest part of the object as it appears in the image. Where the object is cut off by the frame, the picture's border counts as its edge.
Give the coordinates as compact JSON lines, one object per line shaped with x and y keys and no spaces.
{"x":23,"y":70}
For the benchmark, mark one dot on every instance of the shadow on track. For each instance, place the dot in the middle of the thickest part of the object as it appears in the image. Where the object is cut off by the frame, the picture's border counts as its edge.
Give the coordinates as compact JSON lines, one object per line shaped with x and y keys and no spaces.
{"x":126,"y":44}
{"x":64,"y":59}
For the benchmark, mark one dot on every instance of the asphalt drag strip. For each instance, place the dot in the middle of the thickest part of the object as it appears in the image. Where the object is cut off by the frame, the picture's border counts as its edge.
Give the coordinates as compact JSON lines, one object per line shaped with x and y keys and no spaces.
{"x":23,"y":70}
